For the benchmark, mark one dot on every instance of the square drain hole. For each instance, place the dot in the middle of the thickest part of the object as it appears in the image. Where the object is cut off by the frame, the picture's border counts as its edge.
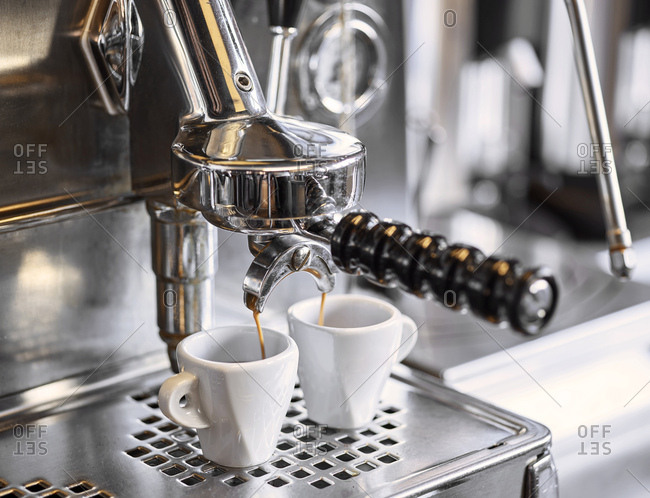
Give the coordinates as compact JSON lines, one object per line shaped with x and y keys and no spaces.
{"x":258,"y":472}
{"x":235,"y":481}
{"x":178,"y":452}
{"x":80,"y":487}
{"x":303,"y":455}
{"x":327,"y":431}
{"x":136,"y":452}
{"x":296,"y":398}
{"x":390,"y":425}
{"x":366,"y":466}
{"x":150,"y":420}
{"x":281,"y":463}
{"x":285,"y":445}
{"x":193,"y":480}
{"x":213,"y":470}
{"x":307,"y":438}
{"x":197,"y":445}
{"x":174,"y":470}
{"x":367,"y":448}
{"x":390,"y":410}
{"x":307,"y":421}
{"x":167,"y":427}
{"x":278,"y":482}
{"x":36,"y":486}
{"x":388,"y":458}
{"x":388,"y":441}
{"x":346,"y":456}
{"x":345,"y":474}
{"x":100,"y":494}
{"x":11,"y":493}
{"x":292,"y":412}
{"x":321,"y":483}
{"x":155,"y":460}
{"x":183,"y":436}
{"x":325,"y":447}
{"x":347,"y":440}
{"x":57,"y":493}
{"x":287,"y":429}
{"x":369,"y":432}
{"x":153,"y":405}
{"x":323,"y":465}
{"x":197,"y":461}
{"x":161,"y":443}
{"x":141,"y":396}
{"x":144,"y":435}
{"x":301,"y":473}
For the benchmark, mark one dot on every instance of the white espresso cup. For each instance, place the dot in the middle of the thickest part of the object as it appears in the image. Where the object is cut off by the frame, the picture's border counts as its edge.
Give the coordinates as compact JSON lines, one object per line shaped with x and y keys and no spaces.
{"x":345,"y":363}
{"x":235,"y":399}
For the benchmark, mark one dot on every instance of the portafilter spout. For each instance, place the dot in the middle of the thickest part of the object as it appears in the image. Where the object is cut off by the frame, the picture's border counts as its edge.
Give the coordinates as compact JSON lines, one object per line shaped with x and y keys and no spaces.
{"x":243,"y":167}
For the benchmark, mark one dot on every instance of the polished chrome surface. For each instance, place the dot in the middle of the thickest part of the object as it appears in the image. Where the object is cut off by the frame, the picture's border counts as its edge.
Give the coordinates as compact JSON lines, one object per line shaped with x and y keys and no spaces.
{"x":424,"y":439}
{"x":112,"y":42}
{"x":278,"y":79}
{"x":76,"y":295}
{"x":185,"y":261}
{"x":246,"y":169}
{"x":281,"y":257}
{"x":253,"y":176}
{"x":352,"y":34}
{"x":211,"y":60}
{"x":619,"y":238}
{"x":59,"y":147}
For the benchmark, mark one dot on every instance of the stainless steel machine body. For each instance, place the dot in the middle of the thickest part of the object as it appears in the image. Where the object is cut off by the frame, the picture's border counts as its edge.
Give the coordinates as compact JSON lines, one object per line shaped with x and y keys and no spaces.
{"x":94,"y":96}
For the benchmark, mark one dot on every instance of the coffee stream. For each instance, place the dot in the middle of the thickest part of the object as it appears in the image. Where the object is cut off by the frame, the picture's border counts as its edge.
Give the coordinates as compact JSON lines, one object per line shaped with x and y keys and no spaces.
{"x":256,"y":317}
{"x":321,"y":315}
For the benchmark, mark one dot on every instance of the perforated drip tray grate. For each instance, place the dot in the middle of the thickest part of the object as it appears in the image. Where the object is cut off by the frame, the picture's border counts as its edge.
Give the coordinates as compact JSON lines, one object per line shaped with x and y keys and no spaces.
{"x":424,"y":437}
{"x":44,"y":488}
{"x":306,"y":454}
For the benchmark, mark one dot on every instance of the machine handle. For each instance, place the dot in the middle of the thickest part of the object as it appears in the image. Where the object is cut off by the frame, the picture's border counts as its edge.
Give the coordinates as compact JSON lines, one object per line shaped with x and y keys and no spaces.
{"x":459,"y":276}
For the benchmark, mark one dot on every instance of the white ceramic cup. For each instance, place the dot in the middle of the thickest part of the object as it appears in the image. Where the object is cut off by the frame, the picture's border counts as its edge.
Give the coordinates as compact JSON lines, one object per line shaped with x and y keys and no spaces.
{"x":236,"y":400}
{"x":344,"y":364}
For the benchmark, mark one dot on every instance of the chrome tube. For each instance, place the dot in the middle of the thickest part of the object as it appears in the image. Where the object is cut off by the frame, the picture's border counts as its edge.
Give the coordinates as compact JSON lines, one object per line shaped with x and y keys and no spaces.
{"x":183,"y":247}
{"x":278,"y":83}
{"x":211,"y":59}
{"x":619,"y":239}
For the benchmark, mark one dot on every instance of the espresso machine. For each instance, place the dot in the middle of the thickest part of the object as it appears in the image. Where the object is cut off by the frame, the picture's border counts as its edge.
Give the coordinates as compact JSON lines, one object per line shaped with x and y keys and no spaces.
{"x":170,"y":163}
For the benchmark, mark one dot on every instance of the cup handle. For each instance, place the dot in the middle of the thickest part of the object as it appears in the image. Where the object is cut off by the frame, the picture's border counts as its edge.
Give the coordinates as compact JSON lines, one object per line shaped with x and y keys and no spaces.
{"x":408,"y":339}
{"x":169,"y":400}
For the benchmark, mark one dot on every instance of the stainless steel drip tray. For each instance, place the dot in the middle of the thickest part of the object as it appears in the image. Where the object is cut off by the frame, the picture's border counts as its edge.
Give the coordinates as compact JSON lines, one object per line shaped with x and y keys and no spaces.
{"x":424,"y":439}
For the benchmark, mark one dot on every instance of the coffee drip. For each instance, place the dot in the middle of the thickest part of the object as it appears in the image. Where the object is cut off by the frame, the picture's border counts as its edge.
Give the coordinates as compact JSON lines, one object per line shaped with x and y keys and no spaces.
{"x":260,"y":333}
